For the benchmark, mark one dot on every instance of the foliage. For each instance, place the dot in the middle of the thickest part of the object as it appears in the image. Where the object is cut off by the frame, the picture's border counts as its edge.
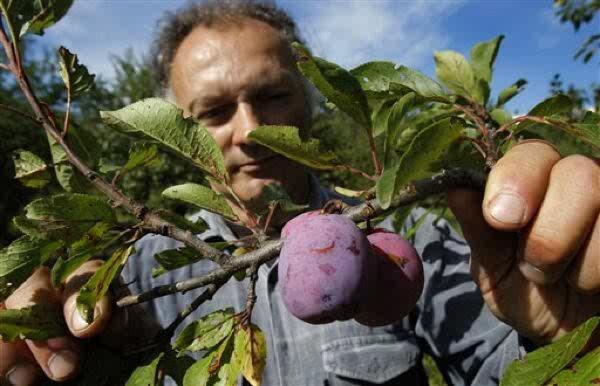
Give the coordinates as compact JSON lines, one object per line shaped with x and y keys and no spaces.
{"x":409,"y":126}
{"x":579,"y":12}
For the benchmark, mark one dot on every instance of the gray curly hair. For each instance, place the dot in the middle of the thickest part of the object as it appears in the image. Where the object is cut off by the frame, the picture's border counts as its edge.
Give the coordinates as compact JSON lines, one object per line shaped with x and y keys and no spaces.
{"x":175,"y":26}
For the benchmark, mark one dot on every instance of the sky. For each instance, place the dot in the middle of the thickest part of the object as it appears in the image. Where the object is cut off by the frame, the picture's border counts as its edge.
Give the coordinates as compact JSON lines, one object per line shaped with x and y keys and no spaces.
{"x":351,"y":32}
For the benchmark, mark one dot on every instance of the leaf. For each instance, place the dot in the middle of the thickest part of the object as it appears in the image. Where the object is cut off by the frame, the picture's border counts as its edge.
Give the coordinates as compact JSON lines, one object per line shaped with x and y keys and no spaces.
{"x":394,"y":127}
{"x":98,"y":284}
{"x":198,"y":374}
{"x":556,"y":105}
{"x":176,"y":366}
{"x":286,"y":141}
{"x":206,"y":332}
{"x":381,"y":114}
{"x":197,"y":226}
{"x":66,"y":216}
{"x":34,"y":15}
{"x":145,"y":375}
{"x":500,"y":116}
{"x":399,"y":217}
{"x":424,"y":150}
{"x":382,"y":76}
{"x":202,"y":197}
{"x":141,"y":155}
{"x":540,"y":365}
{"x":587,"y":132}
{"x":19,"y":259}
{"x":251,"y":351}
{"x":410,"y":233}
{"x":455,"y":72}
{"x":91,"y":244}
{"x":275,"y":194}
{"x":510,"y":92}
{"x":483,"y":56}
{"x":76,"y":77}
{"x":38,"y":322}
{"x":47,"y":13}
{"x":163,"y":122}
{"x":586,"y":371}
{"x":30,"y":169}
{"x":83,"y":145}
{"x":175,"y":258}
{"x":336,"y":84}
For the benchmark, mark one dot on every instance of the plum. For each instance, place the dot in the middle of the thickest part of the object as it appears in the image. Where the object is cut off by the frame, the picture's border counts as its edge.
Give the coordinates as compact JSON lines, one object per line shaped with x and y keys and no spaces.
{"x":398,"y":284}
{"x":324,"y":267}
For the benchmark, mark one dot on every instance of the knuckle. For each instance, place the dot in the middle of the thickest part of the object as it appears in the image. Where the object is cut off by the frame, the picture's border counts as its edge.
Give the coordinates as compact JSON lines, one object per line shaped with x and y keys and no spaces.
{"x":544,"y":247}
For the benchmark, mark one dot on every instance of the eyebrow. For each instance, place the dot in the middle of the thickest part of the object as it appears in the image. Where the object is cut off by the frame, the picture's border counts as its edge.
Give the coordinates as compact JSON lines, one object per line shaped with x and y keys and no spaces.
{"x":283,"y":78}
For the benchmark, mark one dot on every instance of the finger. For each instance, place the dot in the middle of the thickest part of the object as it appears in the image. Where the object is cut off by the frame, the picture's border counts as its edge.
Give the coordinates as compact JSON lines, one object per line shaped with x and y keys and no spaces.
{"x":492,"y":251}
{"x":517,"y":183}
{"x":78,"y":326}
{"x":59,"y":357}
{"x":564,"y":220}
{"x":584,"y":275}
{"x":17,"y":365}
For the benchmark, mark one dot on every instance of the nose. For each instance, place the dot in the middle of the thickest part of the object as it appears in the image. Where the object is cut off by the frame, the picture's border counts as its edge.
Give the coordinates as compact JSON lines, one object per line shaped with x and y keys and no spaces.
{"x":246,"y":119}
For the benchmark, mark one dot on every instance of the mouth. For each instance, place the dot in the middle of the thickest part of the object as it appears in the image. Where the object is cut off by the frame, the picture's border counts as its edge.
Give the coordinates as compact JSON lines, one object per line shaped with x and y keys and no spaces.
{"x":257,"y":164}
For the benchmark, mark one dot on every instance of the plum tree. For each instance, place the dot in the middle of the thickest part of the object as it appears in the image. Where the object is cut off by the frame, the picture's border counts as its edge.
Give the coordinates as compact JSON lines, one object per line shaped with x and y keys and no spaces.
{"x":324,"y":267}
{"x":398,"y":280}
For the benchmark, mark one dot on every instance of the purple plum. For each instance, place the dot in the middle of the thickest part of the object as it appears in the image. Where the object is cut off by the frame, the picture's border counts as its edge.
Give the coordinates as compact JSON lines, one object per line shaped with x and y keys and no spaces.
{"x":398,"y":283}
{"x":324,"y":267}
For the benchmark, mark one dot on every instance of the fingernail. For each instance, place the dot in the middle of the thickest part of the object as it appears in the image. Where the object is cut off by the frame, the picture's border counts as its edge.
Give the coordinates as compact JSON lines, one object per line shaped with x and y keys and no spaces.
{"x":78,"y":322}
{"x":62,"y":364}
{"x":22,"y":374}
{"x":508,"y":208}
{"x":535,"y":274}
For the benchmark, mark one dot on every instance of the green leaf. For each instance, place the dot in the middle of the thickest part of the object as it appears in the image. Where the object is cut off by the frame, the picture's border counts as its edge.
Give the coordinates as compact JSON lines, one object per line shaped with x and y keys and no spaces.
{"x":399,"y":217}
{"x":382,"y":76}
{"x":47,"y":13}
{"x":91,"y":244}
{"x":38,"y":322}
{"x":202,"y":197}
{"x":425,"y":149}
{"x":82,"y":144}
{"x":285,"y":140}
{"x":510,"y":92}
{"x":175,"y":258}
{"x":65,"y":216}
{"x":206,"y":332}
{"x":500,"y":116}
{"x":587,"y":132}
{"x":141,"y":155}
{"x":76,"y":77}
{"x":98,"y":284}
{"x":176,"y":366}
{"x":30,"y":169}
{"x":557,"y":105}
{"x":336,"y":84}
{"x":198,"y":374}
{"x":275,"y":194}
{"x":163,"y":122}
{"x":19,"y":259}
{"x":586,"y":371}
{"x":197,"y":226}
{"x":410,"y":233}
{"x":394,"y":127}
{"x":380,"y":115}
{"x":251,"y":351}
{"x":541,"y":365}
{"x":483,"y":56}
{"x":34,"y":15}
{"x":145,"y":375}
{"x":455,"y":72}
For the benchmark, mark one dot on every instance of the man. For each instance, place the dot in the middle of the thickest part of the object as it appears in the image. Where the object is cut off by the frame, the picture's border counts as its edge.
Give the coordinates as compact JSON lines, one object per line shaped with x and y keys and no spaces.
{"x":533,"y":235}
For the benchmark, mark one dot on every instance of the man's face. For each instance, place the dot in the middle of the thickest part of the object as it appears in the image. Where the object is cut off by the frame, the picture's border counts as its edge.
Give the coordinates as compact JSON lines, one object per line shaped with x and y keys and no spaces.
{"x":233,"y":79}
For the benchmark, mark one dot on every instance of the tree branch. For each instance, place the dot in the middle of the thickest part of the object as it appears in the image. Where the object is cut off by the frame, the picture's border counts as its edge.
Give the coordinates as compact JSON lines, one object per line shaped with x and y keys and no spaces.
{"x":151,"y":222}
{"x":440,"y":183}
{"x":20,"y":112}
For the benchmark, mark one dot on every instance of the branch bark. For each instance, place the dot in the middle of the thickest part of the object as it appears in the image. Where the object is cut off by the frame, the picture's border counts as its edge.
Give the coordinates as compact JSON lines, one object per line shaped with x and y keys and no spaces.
{"x":440,"y":183}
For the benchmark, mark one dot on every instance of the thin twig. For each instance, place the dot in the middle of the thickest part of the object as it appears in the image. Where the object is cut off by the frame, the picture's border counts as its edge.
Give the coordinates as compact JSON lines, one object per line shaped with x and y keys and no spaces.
{"x":357,"y":171}
{"x":373,"y":148}
{"x":476,"y":120}
{"x":523,"y":118}
{"x":67,"y":114}
{"x":20,"y":112}
{"x":440,"y":183}
{"x":251,"y":298}
{"x":5,"y":67}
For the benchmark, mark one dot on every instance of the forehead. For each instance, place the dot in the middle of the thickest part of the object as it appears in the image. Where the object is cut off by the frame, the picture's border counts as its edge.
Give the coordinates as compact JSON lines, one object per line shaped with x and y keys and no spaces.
{"x":230,"y":56}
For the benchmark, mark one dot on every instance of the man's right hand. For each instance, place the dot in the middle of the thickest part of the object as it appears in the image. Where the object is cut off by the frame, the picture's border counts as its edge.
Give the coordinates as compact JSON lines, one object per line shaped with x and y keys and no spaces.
{"x":25,"y":363}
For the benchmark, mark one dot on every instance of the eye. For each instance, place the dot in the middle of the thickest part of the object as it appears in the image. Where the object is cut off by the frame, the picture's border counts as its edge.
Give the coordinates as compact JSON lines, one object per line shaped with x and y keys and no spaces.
{"x":274,"y":96}
{"x":216,"y":112}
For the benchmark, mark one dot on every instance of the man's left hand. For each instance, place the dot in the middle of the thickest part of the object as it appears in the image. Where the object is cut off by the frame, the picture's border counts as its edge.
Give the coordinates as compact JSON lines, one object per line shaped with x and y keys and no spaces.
{"x":535,"y":239}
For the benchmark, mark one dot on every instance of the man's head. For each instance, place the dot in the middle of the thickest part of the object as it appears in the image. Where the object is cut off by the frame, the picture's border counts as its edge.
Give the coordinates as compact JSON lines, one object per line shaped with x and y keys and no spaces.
{"x":230,"y":65}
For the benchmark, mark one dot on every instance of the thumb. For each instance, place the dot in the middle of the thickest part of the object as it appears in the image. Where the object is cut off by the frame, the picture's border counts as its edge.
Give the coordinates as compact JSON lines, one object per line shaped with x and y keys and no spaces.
{"x":492,"y":251}
{"x":102,"y":312}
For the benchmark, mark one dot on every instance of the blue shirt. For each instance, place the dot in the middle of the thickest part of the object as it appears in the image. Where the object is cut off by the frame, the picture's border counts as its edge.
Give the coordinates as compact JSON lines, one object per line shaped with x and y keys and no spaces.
{"x":450,"y":321}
